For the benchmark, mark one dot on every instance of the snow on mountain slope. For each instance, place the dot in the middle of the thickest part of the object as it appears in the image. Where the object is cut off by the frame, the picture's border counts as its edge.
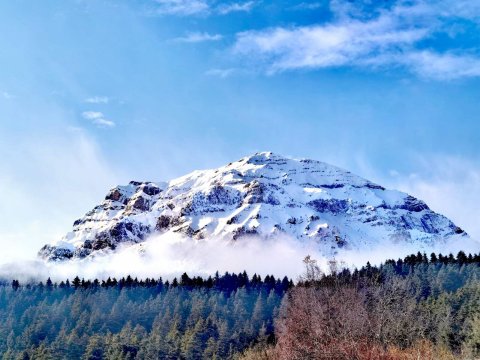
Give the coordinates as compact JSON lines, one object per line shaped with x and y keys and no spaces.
{"x":265,"y":195}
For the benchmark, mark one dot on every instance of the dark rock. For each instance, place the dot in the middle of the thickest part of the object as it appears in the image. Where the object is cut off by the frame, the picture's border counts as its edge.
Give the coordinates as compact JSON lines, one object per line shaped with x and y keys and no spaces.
{"x":120,"y":232}
{"x":242,"y":231}
{"x":53,"y":253}
{"x":82,"y":252}
{"x":329,"y":205}
{"x":186,"y":230}
{"x":374,"y":186}
{"x":99,"y":244}
{"x":163,"y":222}
{"x":141,"y":204}
{"x":177,"y":221}
{"x":214,"y":201}
{"x":261,"y":193}
{"x":218,"y":195}
{"x":292,"y":221}
{"x":412,"y":204}
{"x":407,"y":222}
{"x":114,"y":195}
{"x":87,"y":244}
{"x":151,"y":189}
{"x":232,"y":220}
{"x":427,"y":222}
{"x":188,"y":209}
{"x":370,"y":219}
{"x":340,"y":242}
{"x":332,"y":186}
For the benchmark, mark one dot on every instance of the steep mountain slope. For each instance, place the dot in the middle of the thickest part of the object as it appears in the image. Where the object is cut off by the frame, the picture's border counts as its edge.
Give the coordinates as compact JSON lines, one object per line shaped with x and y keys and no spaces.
{"x":265,"y":195}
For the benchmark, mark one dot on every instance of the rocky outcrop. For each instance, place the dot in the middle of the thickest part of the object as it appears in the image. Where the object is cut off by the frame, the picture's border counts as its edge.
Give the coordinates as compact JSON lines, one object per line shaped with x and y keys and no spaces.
{"x":55,"y":253}
{"x":333,"y":206}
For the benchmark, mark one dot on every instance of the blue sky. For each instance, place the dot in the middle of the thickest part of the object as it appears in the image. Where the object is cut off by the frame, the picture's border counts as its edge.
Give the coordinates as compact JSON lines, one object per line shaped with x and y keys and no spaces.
{"x":95,"y":93}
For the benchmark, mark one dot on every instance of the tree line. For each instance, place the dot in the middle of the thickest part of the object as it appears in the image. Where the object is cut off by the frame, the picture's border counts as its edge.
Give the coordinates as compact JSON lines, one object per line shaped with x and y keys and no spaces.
{"x":226,"y":282}
{"x":420,"y":306}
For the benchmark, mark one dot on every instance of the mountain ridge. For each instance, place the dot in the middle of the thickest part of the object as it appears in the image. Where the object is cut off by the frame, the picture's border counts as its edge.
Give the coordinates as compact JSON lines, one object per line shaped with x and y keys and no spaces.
{"x":263,"y":195}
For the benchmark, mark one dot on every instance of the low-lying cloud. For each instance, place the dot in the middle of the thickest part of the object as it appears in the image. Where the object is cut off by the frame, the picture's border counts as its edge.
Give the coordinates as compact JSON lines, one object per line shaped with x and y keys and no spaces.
{"x":170,"y":256}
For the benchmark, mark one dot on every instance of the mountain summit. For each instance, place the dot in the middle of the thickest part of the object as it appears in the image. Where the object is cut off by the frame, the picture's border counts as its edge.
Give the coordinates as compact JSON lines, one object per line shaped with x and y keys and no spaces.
{"x":263,"y":195}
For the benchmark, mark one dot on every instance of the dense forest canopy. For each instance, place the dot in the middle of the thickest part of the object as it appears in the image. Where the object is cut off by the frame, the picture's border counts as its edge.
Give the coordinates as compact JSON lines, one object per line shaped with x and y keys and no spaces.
{"x":427,"y":305}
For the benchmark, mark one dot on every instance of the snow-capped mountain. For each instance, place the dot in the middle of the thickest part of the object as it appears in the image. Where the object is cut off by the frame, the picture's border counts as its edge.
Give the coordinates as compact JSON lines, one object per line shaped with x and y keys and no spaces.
{"x":265,"y":195}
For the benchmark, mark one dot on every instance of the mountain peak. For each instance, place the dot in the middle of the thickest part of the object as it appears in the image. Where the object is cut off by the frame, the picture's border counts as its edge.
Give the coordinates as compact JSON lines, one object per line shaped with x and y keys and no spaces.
{"x":264,"y":157}
{"x":264,"y":195}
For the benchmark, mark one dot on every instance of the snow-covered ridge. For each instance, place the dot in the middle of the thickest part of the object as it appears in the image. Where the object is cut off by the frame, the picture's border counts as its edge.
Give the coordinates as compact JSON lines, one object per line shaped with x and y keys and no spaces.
{"x":264,"y":195}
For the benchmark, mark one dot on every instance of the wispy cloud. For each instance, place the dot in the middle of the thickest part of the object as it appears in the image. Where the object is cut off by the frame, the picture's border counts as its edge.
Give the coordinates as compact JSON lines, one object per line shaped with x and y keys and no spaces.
{"x":98,"y":100}
{"x":182,"y":7}
{"x":224,"y":9}
{"x":308,"y":6}
{"x":97,"y":118}
{"x":199,"y":7}
{"x":445,"y":66}
{"x":7,"y":95}
{"x":197,"y":37}
{"x":392,"y":38}
{"x":345,"y":43}
{"x":222,"y":73}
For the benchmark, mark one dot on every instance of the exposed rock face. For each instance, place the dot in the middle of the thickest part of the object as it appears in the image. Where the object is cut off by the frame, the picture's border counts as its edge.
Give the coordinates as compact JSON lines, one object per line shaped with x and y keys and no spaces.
{"x":263,"y":195}
{"x":55,"y":253}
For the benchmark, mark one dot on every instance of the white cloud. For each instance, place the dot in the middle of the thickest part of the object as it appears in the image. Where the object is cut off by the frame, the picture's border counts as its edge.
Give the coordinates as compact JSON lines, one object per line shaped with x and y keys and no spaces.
{"x":308,"y":6}
{"x":222,"y":73}
{"x":200,"y":7}
{"x":224,"y":9}
{"x":443,"y":66}
{"x":97,"y":118}
{"x":197,"y":37}
{"x":92,"y":115}
{"x":98,"y":100}
{"x":169,"y":255}
{"x":104,"y":122}
{"x":466,"y":9}
{"x":345,"y":43}
{"x":356,"y":39}
{"x":182,"y":7}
